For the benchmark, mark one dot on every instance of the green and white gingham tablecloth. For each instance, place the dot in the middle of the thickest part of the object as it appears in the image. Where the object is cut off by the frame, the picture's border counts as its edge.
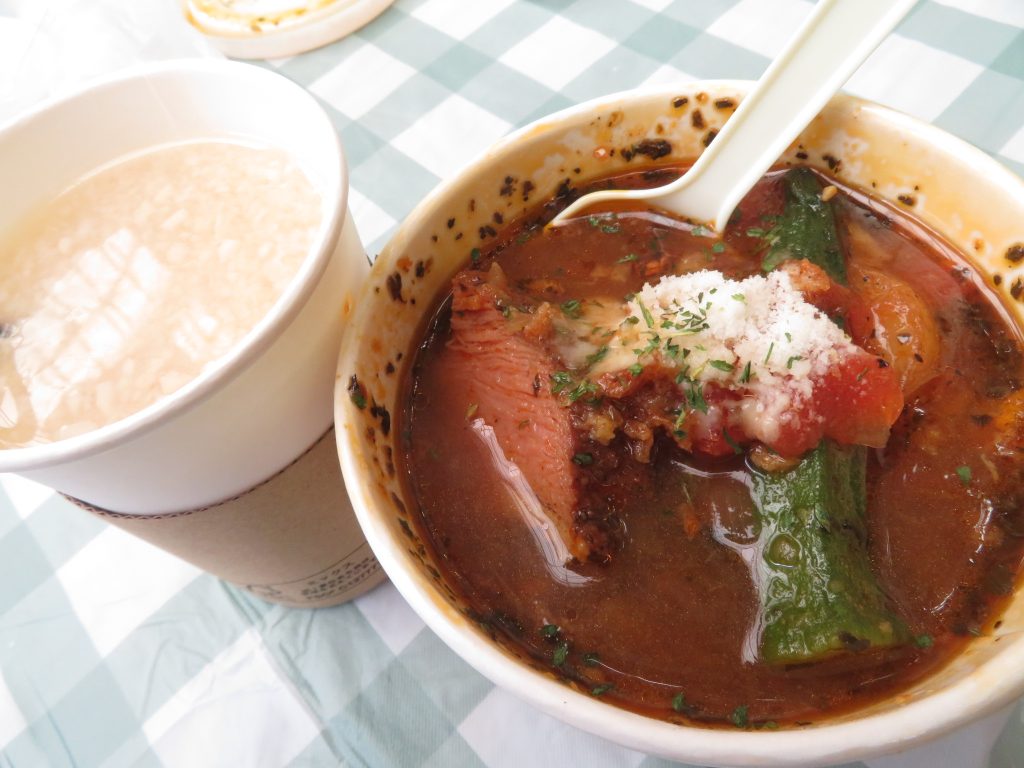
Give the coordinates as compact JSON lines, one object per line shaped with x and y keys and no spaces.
{"x":113,"y":653}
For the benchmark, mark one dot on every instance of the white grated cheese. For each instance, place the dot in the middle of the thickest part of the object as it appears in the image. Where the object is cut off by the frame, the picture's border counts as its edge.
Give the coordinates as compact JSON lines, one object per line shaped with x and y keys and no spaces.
{"x":710,"y":328}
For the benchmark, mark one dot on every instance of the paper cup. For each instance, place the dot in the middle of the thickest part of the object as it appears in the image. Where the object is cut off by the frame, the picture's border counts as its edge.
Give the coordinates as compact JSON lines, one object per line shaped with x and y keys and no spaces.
{"x":195,"y":454}
{"x":957,"y":190}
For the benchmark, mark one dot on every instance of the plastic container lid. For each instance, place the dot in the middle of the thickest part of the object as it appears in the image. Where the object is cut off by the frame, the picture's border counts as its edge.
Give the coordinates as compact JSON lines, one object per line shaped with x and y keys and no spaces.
{"x":269,"y":29}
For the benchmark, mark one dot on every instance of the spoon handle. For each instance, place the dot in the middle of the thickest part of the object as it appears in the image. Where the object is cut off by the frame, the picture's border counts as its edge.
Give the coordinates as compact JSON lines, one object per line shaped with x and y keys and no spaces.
{"x":828,"y":48}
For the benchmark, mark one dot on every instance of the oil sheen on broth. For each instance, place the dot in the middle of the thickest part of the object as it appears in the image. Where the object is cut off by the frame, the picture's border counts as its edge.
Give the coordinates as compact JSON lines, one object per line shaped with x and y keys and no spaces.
{"x":138,"y":277}
{"x":660,"y":610}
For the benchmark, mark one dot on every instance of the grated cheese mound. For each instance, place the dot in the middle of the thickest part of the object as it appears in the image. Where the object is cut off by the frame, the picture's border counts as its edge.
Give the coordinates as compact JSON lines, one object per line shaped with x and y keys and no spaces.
{"x":711,"y":328}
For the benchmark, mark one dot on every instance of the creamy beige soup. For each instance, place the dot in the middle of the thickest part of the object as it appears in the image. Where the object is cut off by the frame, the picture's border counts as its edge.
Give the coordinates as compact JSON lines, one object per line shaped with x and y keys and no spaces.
{"x":138,"y":277}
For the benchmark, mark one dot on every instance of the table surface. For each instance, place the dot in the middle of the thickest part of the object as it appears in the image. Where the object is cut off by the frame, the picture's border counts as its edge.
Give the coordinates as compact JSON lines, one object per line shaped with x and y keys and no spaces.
{"x":113,"y":653}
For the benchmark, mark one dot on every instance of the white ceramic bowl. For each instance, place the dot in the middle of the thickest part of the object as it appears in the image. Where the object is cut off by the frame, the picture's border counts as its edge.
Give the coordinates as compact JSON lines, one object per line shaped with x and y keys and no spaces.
{"x":955,"y":189}
{"x":267,"y":400}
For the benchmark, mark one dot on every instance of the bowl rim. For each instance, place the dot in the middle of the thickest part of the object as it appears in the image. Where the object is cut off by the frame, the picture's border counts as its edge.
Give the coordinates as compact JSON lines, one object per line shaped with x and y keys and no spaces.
{"x":285,"y":308}
{"x":858,"y":738}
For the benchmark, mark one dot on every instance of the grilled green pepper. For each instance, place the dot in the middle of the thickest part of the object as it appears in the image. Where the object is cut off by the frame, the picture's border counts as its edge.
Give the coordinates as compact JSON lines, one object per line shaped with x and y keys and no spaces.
{"x":806,"y":229}
{"x":819,"y":596}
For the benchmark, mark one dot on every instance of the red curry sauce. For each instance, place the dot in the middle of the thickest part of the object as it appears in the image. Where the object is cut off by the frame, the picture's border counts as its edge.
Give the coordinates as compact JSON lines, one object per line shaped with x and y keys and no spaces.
{"x":663,"y":627}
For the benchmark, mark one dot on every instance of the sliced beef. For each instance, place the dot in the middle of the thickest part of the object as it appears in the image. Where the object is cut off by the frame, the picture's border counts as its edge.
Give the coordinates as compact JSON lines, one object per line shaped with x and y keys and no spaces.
{"x":506,"y":371}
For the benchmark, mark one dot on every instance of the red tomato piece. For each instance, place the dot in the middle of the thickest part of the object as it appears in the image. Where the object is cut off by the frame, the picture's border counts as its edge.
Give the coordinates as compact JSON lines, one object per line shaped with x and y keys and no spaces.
{"x":860,"y":400}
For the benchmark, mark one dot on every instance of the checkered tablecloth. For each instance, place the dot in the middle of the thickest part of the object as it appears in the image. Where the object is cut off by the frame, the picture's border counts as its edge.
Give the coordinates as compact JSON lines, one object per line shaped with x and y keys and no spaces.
{"x":113,"y":653}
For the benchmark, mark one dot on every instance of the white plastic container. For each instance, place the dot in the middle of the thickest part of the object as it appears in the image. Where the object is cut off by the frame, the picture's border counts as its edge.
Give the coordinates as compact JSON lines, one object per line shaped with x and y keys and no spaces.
{"x":269,"y":399}
{"x":268,"y":29}
{"x":957,"y":190}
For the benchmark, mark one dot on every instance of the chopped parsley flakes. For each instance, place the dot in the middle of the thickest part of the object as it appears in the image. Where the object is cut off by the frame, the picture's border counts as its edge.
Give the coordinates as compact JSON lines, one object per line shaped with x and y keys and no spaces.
{"x":572,"y":308}
{"x":560,"y":655}
{"x":646,"y":313}
{"x":560,"y":380}
{"x":679,"y":703}
{"x":598,"y":356}
{"x":745,"y":376}
{"x":739,"y":716}
{"x":736,"y":448}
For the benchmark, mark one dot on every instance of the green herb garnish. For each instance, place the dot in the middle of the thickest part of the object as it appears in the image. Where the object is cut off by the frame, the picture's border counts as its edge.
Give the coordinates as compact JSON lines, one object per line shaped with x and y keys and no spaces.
{"x":964,"y":473}
{"x":745,"y":376}
{"x":598,"y":356}
{"x":474,"y":255}
{"x":601,"y":690}
{"x":636,"y":369}
{"x":695,"y":397}
{"x":572,"y":308}
{"x":736,"y":448}
{"x":583,"y":459}
{"x":721,"y":365}
{"x":718,"y":247}
{"x":559,"y":656}
{"x":648,"y":318}
{"x":679,"y":702}
{"x":627,"y":258}
{"x":560,"y":380}
{"x":591,"y":659}
{"x":768,"y":356}
{"x":793,"y":359}
{"x":677,"y":428}
{"x":924,"y":641}
{"x":739,"y":716}
{"x":549,"y":630}
{"x":580,"y":390}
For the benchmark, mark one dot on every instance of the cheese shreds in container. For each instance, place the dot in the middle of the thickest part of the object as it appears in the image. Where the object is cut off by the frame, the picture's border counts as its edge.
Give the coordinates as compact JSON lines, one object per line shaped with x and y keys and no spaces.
{"x":268,"y":29}
{"x":758,"y":335}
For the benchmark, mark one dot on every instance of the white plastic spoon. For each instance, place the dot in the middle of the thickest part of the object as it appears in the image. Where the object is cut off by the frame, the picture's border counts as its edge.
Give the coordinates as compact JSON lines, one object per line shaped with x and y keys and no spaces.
{"x":831,"y":44}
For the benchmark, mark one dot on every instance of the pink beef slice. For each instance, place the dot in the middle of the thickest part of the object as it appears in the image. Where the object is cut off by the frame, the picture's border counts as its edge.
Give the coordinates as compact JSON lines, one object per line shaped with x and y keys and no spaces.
{"x":507,"y":376}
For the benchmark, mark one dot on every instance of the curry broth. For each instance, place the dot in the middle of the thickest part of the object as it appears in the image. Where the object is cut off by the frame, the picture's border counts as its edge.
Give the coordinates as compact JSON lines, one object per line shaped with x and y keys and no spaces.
{"x":665,"y":628}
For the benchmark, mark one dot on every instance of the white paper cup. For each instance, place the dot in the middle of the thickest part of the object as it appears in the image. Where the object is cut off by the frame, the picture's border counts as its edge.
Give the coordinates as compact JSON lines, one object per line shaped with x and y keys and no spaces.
{"x":269,"y":399}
